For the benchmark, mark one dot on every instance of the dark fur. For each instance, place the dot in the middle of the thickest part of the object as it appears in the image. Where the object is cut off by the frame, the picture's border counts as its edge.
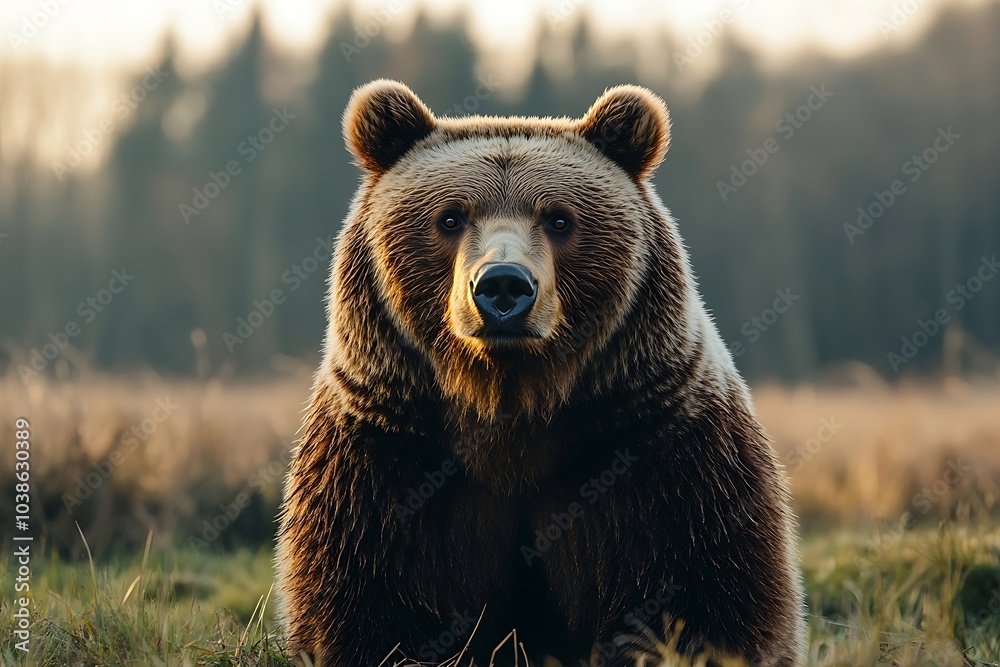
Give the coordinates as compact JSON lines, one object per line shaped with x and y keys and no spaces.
{"x":702,"y":513}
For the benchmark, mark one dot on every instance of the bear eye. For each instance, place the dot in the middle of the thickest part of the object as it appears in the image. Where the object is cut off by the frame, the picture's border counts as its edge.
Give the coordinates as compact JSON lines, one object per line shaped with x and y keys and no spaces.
{"x":559,"y":222}
{"x":451,"y":221}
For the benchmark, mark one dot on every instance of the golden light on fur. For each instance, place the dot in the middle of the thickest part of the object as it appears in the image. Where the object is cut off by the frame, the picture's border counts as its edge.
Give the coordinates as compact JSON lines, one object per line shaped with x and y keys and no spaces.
{"x":514,"y":240}
{"x":511,"y":302}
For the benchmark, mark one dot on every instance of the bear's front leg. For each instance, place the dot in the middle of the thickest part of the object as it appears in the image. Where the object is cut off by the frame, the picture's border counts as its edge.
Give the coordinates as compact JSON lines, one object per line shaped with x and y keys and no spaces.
{"x":702,"y":556}
{"x":381,"y":553}
{"x":334,"y":578}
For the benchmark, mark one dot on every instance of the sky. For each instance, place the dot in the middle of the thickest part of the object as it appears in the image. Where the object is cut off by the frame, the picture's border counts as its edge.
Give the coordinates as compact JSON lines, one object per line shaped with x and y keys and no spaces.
{"x":107,"y":34}
{"x":75,"y":54}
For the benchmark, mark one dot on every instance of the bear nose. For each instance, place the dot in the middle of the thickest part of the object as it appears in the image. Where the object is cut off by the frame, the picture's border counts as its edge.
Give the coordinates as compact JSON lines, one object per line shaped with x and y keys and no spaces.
{"x":503,"y":293}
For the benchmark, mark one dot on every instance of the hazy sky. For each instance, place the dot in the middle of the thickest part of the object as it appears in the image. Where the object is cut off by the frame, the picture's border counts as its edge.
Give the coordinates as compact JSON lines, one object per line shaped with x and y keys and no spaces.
{"x":45,"y":107}
{"x":109,"y":33}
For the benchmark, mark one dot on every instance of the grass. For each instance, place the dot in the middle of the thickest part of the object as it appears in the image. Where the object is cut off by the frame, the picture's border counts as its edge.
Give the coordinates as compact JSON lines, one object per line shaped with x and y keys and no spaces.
{"x":175,"y":608}
{"x":931,"y":600}
{"x":897,"y":491}
{"x":854,"y":455}
{"x":923,"y":601}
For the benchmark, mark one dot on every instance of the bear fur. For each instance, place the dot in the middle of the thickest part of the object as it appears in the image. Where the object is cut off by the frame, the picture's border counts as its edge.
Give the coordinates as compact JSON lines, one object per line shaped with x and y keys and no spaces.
{"x":597,"y":476}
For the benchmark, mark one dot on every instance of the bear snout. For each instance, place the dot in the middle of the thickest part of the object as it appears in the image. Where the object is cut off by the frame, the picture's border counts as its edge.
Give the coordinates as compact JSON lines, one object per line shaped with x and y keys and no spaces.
{"x":504,"y":294}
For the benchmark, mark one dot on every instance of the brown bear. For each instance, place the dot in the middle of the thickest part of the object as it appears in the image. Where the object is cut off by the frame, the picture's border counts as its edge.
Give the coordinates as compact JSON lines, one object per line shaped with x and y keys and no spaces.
{"x":525,"y":419}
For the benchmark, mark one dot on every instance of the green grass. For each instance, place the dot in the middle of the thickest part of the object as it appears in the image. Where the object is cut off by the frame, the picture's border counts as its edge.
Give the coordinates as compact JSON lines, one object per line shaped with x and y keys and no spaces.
{"x":177,"y":608}
{"x":923,"y":598}
{"x":916,"y":598}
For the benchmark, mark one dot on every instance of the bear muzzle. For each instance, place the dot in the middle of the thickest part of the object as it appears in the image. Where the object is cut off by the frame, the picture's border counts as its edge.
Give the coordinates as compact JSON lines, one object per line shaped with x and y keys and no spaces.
{"x":504,"y":294}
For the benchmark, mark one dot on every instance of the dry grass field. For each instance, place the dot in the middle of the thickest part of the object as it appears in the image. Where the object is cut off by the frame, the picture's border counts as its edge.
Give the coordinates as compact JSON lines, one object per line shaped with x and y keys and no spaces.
{"x":152,"y":503}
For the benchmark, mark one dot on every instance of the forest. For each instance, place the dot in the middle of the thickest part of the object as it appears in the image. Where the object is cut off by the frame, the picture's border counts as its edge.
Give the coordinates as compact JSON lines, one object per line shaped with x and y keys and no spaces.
{"x":837,"y":210}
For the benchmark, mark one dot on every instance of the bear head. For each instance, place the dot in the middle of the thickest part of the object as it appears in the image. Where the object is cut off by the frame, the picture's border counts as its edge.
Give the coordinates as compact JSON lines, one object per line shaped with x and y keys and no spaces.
{"x":504,"y":252}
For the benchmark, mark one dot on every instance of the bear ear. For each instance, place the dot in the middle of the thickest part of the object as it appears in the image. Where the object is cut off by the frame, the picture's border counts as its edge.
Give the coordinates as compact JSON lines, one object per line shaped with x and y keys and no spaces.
{"x":382,"y":121}
{"x":631,"y":126}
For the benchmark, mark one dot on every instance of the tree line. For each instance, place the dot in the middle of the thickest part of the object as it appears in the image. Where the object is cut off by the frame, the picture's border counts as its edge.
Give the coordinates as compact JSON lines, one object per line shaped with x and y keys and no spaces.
{"x":836,"y":210}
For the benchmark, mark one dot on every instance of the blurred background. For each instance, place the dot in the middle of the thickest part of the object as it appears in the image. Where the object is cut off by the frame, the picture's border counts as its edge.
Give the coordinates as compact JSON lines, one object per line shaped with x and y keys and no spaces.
{"x":172,"y":175}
